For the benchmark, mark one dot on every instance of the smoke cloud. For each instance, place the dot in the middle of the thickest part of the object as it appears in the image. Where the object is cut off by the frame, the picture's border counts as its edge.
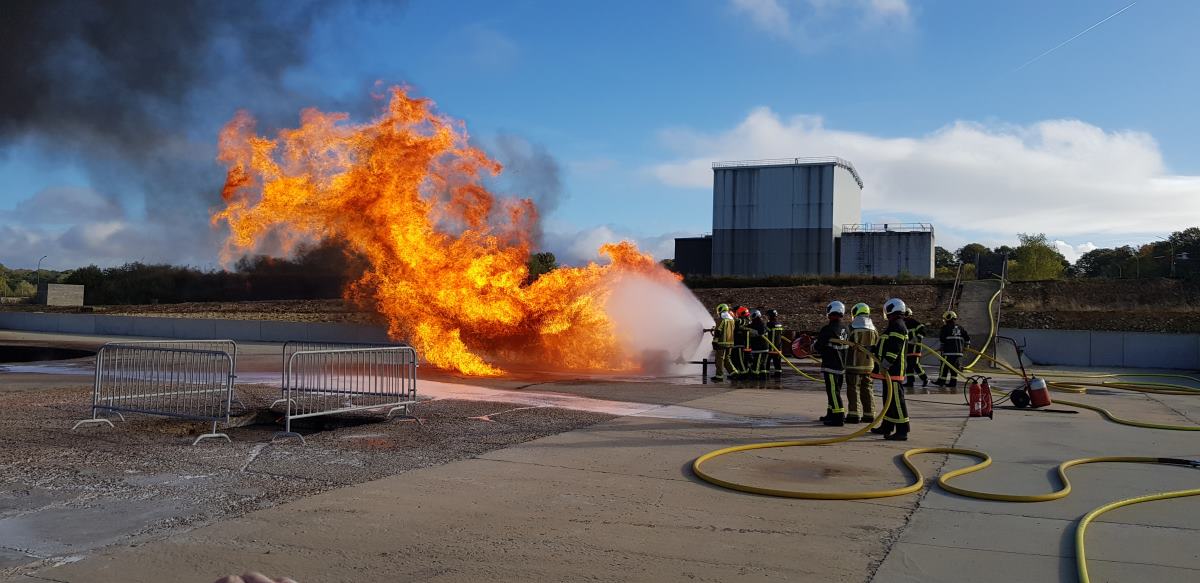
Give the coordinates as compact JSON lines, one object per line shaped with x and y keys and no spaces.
{"x":530,"y":172}
{"x":133,"y":92}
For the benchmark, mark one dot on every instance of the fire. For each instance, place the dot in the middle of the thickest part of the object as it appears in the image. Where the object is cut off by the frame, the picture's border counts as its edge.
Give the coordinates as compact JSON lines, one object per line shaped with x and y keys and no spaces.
{"x":447,"y":258}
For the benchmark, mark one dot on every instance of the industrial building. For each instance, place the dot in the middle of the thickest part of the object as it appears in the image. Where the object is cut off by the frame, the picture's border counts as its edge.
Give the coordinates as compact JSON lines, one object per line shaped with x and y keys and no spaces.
{"x":788,"y":217}
{"x":887,"y":249}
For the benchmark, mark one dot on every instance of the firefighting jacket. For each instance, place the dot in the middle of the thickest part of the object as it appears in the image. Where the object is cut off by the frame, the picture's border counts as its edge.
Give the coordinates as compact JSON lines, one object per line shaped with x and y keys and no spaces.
{"x":758,"y":341}
{"x":723,"y":332}
{"x":775,"y":333}
{"x":863,"y":333}
{"x":742,"y":333}
{"x":916,"y":335}
{"x":954,"y":339}
{"x":892,"y":347}
{"x":833,"y":354}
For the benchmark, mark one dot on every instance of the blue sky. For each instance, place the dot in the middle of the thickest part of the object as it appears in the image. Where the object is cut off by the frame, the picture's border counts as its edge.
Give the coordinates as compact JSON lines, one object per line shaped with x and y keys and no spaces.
{"x":1093,"y":143}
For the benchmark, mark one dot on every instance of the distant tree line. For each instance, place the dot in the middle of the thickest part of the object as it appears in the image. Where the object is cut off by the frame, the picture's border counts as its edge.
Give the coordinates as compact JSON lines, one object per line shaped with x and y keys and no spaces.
{"x":319,"y":271}
{"x":1035,"y":258}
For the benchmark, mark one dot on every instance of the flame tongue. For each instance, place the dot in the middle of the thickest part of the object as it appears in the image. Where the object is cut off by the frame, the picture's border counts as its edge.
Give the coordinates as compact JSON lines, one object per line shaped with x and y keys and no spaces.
{"x":447,"y":258}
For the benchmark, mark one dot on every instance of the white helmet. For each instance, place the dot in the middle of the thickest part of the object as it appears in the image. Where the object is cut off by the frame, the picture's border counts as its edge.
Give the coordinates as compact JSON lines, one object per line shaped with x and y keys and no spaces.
{"x":893,"y":306}
{"x":835,"y":307}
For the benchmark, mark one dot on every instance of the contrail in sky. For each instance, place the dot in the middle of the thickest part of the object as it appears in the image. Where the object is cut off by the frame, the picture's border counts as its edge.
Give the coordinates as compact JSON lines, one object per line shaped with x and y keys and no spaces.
{"x":1083,"y":32}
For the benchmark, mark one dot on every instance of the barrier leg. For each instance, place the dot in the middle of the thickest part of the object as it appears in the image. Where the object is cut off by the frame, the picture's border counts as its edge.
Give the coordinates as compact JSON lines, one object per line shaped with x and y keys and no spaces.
{"x":287,"y":428}
{"x":97,"y":421}
{"x":212,"y":434}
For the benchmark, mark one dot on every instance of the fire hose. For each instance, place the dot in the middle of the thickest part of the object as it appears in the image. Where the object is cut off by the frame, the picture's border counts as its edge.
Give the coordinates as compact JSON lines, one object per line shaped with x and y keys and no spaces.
{"x":918,"y":479}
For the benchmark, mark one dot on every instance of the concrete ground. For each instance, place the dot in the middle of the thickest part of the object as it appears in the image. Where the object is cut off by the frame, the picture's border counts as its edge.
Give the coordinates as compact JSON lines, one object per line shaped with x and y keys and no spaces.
{"x":615,"y":500}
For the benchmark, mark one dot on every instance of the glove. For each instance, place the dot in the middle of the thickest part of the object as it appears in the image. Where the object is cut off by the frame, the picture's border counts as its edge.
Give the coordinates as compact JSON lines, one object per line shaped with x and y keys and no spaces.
{"x":885,"y":365}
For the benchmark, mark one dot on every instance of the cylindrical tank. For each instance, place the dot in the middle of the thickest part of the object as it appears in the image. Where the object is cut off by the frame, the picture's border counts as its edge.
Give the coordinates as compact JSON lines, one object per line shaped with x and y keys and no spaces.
{"x":1039,"y":395}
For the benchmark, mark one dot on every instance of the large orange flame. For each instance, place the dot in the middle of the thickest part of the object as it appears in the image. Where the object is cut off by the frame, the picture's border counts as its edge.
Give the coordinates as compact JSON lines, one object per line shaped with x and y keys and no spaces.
{"x":447,"y":258}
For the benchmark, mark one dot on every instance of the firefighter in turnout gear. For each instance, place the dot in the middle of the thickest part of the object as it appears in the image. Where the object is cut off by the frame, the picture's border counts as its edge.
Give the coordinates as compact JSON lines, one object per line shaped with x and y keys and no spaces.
{"x":955,"y":340}
{"x":891,"y":357}
{"x":912,"y":362}
{"x":723,"y":342}
{"x":859,"y":365}
{"x":741,"y":341}
{"x":758,"y":344}
{"x":833,"y":362}
{"x":775,"y":334}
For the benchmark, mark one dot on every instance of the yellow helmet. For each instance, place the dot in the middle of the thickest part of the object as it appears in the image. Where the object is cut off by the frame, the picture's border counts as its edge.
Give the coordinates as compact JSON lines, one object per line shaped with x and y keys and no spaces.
{"x":950,"y":315}
{"x":860,"y":309}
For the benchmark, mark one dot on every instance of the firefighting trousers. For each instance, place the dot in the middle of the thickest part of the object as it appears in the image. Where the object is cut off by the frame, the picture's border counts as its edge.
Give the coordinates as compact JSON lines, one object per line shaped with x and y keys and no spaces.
{"x":913,"y":368}
{"x":738,"y":357}
{"x":724,"y":360}
{"x":858,"y":387}
{"x":758,"y":362}
{"x":950,"y":368}
{"x":833,"y":392}
{"x":897,"y":411}
{"x":775,"y":362}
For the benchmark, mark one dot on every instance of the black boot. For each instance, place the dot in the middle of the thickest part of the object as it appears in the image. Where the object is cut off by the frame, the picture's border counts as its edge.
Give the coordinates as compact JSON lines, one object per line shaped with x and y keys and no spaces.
{"x":852,"y":418}
{"x":884,"y":428}
{"x":835,"y":419}
{"x":908,"y":383}
{"x":924,"y":380}
{"x":901,"y":433}
{"x":940,"y":382}
{"x":953,"y":383}
{"x":717,"y":379}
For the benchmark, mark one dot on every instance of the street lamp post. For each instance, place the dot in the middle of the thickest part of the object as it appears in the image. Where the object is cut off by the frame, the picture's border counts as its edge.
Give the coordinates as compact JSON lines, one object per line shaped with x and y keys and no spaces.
{"x":38,"y":288}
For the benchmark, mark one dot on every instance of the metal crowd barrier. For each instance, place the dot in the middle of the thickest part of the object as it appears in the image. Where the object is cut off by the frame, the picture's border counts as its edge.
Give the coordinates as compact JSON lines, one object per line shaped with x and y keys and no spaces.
{"x":188,"y":379}
{"x":293,"y":346}
{"x":344,"y":378}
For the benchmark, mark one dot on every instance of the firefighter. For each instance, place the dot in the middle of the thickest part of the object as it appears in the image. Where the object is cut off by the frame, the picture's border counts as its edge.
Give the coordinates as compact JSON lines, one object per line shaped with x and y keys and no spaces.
{"x":859,"y":365}
{"x":775,"y":334}
{"x":758,"y":344}
{"x":891,"y":366}
{"x":955,"y":340}
{"x":723,"y":342}
{"x":912,"y":362}
{"x":833,"y":362}
{"x":741,"y":342}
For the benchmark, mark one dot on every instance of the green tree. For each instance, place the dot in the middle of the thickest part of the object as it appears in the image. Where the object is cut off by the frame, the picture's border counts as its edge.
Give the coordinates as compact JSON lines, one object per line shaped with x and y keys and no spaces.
{"x":5,"y":290}
{"x":24,"y":289}
{"x":943,"y":258}
{"x":969,"y":252}
{"x":541,"y":263}
{"x":1005,"y":250}
{"x":1116,"y":263}
{"x":1036,"y":259}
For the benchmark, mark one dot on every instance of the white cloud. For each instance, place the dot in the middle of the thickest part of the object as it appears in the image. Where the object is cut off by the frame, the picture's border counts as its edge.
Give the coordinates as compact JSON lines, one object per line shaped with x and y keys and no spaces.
{"x":78,"y":226}
{"x":816,"y":23}
{"x":1072,"y":252}
{"x":579,"y":246}
{"x":1061,"y":177}
{"x":769,"y":15}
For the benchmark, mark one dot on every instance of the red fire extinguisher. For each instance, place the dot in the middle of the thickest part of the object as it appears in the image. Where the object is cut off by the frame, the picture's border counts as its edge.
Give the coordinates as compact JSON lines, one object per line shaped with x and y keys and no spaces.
{"x":979,"y":397}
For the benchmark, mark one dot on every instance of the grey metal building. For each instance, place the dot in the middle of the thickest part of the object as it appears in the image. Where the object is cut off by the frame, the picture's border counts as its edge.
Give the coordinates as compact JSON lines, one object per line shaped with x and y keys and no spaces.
{"x":888,"y":249}
{"x":693,"y":255}
{"x":782,"y":217}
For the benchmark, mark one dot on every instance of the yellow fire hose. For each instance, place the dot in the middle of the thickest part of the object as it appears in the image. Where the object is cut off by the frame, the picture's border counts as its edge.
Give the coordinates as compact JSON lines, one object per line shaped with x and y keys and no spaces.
{"x":943,"y":481}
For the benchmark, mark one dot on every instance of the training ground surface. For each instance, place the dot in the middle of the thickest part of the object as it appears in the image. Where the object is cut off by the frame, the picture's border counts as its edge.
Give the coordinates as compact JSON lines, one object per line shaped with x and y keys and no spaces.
{"x":553,"y":494}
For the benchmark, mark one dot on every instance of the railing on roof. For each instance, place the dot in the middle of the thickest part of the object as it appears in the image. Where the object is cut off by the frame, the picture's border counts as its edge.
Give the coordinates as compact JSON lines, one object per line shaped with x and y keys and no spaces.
{"x":841,"y":162}
{"x":889,"y":228}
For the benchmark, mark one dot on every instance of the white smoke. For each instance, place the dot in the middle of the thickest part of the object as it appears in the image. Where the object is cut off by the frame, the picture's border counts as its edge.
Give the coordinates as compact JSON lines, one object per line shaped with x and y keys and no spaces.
{"x":659,"y":317}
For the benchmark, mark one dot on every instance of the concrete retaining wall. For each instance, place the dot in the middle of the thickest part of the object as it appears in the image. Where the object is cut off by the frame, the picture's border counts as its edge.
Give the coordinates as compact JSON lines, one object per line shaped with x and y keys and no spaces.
{"x":191,"y":328}
{"x":1109,"y":349}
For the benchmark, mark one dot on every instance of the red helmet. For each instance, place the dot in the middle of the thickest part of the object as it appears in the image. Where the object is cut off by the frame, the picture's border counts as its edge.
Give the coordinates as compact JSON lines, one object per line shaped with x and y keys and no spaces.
{"x":743,"y":312}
